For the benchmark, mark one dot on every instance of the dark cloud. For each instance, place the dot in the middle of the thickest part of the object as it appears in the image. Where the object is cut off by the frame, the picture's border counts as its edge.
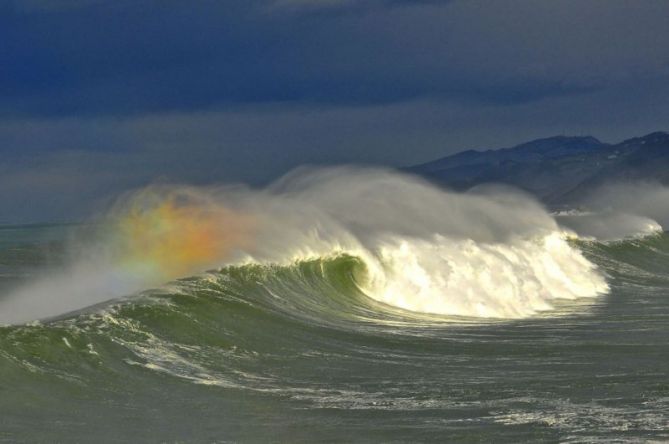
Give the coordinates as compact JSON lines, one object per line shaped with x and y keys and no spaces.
{"x":64,"y":169}
{"x":97,"y":95}
{"x":132,"y":57}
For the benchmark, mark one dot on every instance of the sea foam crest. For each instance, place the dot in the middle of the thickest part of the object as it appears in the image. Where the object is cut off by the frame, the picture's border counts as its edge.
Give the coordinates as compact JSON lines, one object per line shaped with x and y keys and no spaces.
{"x":492,"y":252}
{"x":464,"y":278}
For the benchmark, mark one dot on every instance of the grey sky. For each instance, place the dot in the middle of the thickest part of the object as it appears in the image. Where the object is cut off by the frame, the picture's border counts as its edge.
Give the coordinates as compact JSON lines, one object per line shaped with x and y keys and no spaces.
{"x":100,"y":96}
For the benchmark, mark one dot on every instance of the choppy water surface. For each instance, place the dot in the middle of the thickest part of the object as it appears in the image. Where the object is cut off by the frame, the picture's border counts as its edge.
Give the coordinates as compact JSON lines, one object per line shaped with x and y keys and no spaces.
{"x":299,"y":353}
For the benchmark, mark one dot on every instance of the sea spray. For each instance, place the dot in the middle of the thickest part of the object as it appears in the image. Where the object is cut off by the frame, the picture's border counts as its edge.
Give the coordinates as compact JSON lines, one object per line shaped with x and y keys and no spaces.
{"x":620,"y":210}
{"x":492,"y":252}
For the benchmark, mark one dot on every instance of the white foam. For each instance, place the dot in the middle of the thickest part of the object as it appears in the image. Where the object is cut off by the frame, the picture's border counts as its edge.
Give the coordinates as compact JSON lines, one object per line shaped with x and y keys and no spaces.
{"x":502,"y":280}
{"x":493,"y":253}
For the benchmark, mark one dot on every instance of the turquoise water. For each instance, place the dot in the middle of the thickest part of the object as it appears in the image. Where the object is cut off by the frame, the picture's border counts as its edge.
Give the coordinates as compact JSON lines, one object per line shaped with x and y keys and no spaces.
{"x":300,"y":354}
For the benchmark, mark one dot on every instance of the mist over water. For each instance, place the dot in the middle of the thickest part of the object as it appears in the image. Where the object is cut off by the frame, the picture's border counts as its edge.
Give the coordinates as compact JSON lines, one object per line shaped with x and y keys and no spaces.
{"x":621,"y":210}
{"x":491,"y":252}
{"x":645,"y":199}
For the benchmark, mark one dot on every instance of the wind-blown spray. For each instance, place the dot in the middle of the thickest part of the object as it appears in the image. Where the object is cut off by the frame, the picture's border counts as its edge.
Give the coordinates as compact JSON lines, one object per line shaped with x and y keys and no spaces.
{"x":488,"y":253}
{"x":616,"y":211}
{"x":175,"y":232}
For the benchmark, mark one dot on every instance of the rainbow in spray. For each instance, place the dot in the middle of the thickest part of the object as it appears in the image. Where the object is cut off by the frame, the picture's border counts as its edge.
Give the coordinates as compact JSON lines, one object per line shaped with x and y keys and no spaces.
{"x":164,"y":236}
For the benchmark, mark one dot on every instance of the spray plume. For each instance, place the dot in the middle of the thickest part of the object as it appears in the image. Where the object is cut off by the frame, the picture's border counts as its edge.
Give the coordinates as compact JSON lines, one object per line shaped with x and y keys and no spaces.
{"x":487,"y":253}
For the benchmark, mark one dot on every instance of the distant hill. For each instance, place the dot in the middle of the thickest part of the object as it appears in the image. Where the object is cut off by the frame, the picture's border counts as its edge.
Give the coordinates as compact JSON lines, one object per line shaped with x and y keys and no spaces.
{"x":559,"y":170}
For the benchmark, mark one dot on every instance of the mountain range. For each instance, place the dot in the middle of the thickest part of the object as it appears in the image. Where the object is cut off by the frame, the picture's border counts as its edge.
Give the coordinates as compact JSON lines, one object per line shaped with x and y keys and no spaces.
{"x":559,"y":170}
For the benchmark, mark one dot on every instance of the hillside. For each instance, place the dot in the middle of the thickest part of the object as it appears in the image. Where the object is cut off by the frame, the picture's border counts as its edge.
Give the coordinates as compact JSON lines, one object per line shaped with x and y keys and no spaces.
{"x":557,"y":169}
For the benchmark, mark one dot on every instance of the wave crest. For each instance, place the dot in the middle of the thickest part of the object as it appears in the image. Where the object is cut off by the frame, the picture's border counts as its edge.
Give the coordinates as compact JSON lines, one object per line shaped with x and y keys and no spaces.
{"x":465,"y":278}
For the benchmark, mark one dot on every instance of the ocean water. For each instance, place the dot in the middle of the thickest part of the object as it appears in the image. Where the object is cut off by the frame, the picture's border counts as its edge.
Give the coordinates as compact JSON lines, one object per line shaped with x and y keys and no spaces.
{"x":404,"y":338}
{"x":299,"y":354}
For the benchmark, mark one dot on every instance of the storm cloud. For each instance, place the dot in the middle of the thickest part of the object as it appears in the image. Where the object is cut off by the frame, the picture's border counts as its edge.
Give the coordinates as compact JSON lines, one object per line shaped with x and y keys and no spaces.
{"x":127,"y":92}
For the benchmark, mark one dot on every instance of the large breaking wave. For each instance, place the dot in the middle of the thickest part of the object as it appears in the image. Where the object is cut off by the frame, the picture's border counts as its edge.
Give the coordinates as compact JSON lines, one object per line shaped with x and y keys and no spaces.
{"x":491,"y":252}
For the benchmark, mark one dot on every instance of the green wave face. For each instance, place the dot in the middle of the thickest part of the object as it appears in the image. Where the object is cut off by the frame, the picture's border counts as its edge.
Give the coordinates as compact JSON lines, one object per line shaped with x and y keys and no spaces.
{"x":301,"y":353}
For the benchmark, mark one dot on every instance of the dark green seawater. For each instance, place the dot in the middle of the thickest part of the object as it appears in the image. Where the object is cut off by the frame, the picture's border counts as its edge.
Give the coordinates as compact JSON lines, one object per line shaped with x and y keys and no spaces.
{"x":298,"y":354}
